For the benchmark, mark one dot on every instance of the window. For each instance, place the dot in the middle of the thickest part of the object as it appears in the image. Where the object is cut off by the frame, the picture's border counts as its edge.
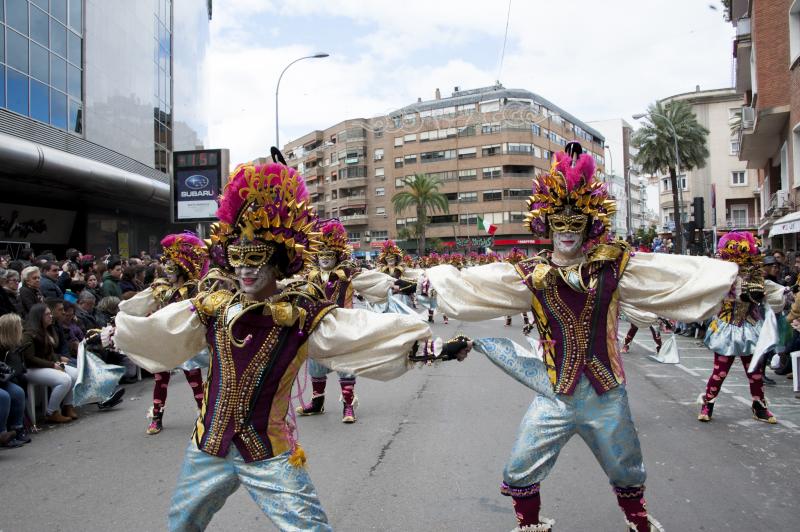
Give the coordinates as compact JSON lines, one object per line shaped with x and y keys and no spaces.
{"x":493,"y":172}
{"x":514,"y":147}
{"x":380,"y":211}
{"x":466,"y":131}
{"x":739,"y":215}
{"x":492,"y":195}
{"x":380,"y":235}
{"x":399,"y":182}
{"x":666,"y":183}
{"x":451,"y":196}
{"x":468,"y":219}
{"x":488,"y":151}
{"x":441,"y":155}
{"x":378,"y":133}
{"x":738,"y":178}
{"x":547,"y":154}
{"x":443,"y":219}
{"x":734,"y":146}
{"x":398,"y":141}
{"x":377,"y":155}
{"x":796,"y":151}
{"x":490,"y":107}
{"x":353,"y":236}
{"x":410,"y":159}
{"x":517,"y":192}
{"x":380,"y":191}
{"x":450,"y":175}
{"x":492,"y":127}
{"x":536,"y":129}
{"x":465,"y":109}
{"x":467,"y":153}
{"x":398,"y":162}
{"x":352,"y":172}
{"x":467,"y":175}
{"x":410,"y":138}
{"x":467,"y":197}
{"x":379,"y":173}
{"x":794,"y":34}
{"x":516,"y":216}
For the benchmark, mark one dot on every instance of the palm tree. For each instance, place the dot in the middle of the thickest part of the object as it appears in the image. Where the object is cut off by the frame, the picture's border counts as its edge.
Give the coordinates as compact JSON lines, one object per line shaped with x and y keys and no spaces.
{"x":667,"y":126}
{"x":422,"y":193}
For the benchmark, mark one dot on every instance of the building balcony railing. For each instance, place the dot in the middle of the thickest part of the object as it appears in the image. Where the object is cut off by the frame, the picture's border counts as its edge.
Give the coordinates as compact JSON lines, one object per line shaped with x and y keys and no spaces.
{"x":354,"y":219}
{"x":518,"y":175}
{"x":315,"y":171}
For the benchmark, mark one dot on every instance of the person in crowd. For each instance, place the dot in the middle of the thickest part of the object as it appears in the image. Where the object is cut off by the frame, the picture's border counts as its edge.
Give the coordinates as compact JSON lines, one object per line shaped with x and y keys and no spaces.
{"x":48,"y":285}
{"x":12,"y":395}
{"x":72,"y":331}
{"x":784,"y":271}
{"x":93,"y":286}
{"x":10,"y":290}
{"x":45,"y":367}
{"x":16,"y":265}
{"x":107,"y":308}
{"x":29,"y":294}
{"x":7,"y":303}
{"x":27,"y":257}
{"x":61,"y":347}
{"x":85,"y":312}
{"x":132,"y":281}
{"x":111,"y":278}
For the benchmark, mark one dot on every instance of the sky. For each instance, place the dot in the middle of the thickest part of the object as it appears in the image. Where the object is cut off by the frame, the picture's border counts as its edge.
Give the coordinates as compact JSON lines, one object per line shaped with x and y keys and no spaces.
{"x":595,"y":59}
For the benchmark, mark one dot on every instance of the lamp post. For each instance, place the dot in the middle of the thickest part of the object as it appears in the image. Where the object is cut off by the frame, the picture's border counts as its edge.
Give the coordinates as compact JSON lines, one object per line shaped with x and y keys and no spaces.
{"x":278,"y":87}
{"x":679,"y":224}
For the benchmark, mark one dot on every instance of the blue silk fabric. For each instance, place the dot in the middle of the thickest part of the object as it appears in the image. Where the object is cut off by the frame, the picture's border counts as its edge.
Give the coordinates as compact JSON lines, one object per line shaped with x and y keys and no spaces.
{"x":395,"y":304}
{"x":603,"y":421}
{"x":96,"y":381}
{"x":284,"y":492}
{"x":200,"y":360}
{"x":318,"y":371}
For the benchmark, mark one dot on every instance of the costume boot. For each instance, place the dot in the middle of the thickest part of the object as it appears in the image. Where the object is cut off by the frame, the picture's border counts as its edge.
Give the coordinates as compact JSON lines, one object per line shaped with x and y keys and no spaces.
{"x":508,"y":321}
{"x":762,"y":413}
{"x":706,"y":408}
{"x":349,"y":400}
{"x":317,"y":398}
{"x":444,"y":317}
{"x":156,"y":417}
{"x":631,"y":501}
{"x":652,"y":526}
{"x":526,"y":508}
{"x":430,"y":316}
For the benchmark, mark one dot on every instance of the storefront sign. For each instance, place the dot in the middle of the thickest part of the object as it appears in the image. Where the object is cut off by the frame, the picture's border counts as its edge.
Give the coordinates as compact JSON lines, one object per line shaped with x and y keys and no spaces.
{"x":197,"y":180}
{"x":522,"y":242}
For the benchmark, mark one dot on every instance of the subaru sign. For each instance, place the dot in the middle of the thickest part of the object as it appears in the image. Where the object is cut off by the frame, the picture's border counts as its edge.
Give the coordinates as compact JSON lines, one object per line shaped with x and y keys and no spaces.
{"x":198,"y":178}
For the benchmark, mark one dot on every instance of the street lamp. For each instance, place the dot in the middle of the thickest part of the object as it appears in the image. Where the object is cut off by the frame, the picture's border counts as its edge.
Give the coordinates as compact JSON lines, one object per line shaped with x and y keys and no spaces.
{"x":278,"y":87}
{"x":639,"y":116}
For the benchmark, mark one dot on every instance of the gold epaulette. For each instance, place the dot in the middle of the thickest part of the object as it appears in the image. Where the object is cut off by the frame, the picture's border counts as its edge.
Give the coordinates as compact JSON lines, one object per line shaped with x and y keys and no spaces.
{"x":610,"y":251}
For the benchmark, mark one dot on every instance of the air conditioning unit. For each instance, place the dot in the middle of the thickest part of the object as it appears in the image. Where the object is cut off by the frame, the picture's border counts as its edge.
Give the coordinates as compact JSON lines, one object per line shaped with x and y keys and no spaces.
{"x":748,"y":117}
{"x":781,"y":199}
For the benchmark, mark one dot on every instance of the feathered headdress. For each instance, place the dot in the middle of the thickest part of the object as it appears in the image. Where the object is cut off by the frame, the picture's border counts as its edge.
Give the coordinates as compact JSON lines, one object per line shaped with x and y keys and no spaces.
{"x":433,"y":259}
{"x":188,"y":252}
{"x":268,"y":203}
{"x":740,"y":247}
{"x":389,"y":248}
{"x":570,"y":186}
{"x":334,"y":238}
{"x":516,"y":255}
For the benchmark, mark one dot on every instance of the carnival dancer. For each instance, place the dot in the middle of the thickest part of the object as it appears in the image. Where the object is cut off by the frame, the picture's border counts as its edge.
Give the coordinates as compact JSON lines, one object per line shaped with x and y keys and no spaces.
{"x":516,"y":256}
{"x":259,"y":337}
{"x":427,"y":295}
{"x":185,"y":261}
{"x":574,"y":295}
{"x":735,"y":330}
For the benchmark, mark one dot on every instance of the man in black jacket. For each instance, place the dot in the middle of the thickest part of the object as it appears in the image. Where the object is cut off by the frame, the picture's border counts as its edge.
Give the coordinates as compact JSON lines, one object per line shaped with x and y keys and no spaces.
{"x":49,"y":283}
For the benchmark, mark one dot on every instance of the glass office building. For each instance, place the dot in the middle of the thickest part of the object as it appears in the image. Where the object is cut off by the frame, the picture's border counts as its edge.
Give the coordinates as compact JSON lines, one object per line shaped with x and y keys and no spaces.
{"x":91,"y":110}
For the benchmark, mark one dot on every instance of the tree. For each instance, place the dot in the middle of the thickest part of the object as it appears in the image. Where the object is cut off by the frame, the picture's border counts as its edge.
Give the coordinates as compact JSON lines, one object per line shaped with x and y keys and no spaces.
{"x":656,"y":141}
{"x":422,"y":193}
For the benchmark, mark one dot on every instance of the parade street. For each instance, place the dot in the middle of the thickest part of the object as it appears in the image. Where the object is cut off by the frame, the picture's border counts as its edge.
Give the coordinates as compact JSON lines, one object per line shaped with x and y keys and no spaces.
{"x":427,"y":454}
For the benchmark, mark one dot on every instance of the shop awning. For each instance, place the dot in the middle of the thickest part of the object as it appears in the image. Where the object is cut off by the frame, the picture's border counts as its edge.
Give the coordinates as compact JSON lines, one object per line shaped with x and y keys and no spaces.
{"x":786,"y":225}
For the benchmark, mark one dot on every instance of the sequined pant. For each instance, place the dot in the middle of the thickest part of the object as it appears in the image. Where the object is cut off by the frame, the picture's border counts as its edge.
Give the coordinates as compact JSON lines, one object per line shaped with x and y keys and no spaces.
{"x":318,"y":371}
{"x":722,"y":366}
{"x":603,"y":421}
{"x":195,"y":379}
{"x":283,"y":492}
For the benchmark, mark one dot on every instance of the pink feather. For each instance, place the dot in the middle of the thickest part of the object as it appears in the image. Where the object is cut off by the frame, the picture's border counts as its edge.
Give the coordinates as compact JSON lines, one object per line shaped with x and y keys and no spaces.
{"x":231,"y":201}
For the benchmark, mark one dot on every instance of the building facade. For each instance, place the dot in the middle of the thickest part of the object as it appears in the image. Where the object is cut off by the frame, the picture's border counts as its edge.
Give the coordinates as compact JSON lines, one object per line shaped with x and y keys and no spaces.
{"x":96,"y":95}
{"x":485,"y":146}
{"x":767,"y":54}
{"x":725,"y":184}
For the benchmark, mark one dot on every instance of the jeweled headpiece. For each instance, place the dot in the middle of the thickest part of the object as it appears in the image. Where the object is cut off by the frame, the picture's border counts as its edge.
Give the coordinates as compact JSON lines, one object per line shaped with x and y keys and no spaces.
{"x":740,"y":247}
{"x":389,"y":248}
{"x":265,"y":207}
{"x":570,"y":189}
{"x":334,"y":238}
{"x":188,"y":252}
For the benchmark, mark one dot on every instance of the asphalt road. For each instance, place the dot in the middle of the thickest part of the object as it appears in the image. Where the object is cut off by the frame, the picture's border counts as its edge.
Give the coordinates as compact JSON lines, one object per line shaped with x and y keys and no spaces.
{"x":427,"y":454}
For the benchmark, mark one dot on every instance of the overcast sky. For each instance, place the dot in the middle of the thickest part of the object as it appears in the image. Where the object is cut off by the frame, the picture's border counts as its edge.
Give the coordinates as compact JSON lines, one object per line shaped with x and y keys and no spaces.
{"x":596,"y":59}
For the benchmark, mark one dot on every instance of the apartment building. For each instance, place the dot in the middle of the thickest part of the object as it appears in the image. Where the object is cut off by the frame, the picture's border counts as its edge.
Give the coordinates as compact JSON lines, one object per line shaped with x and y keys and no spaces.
{"x":767,"y":53}
{"x":727,"y":186}
{"x":485,"y":145}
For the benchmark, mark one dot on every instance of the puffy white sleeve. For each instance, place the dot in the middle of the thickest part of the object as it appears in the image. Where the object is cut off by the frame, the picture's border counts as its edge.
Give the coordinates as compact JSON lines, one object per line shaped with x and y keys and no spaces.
{"x":479,"y":293}
{"x":412,"y":274}
{"x":162,"y":340}
{"x":679,"y":287}
{"x":142,"y":304}
{"x":373,"y":285}
{"x":775,"y":296}
{"x":371,"y":345}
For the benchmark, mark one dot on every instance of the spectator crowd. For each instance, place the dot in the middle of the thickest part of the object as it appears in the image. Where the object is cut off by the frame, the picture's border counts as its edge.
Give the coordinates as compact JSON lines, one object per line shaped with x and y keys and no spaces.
{"x":47,"y":308}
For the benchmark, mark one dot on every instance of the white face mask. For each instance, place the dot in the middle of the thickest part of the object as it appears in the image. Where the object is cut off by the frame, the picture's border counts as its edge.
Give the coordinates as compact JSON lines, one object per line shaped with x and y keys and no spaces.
{"x":172,"y":277}
{"x":327,"y":264}
{"x":254,"y":280}
{"x":567,"y":245}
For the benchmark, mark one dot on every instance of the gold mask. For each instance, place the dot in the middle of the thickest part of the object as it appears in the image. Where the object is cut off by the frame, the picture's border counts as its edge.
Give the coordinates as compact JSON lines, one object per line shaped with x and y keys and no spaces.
{"x":172,"y":269}
{"x":327,"y":255}
{"x":567,"y":223}
{"x":249,"y":255}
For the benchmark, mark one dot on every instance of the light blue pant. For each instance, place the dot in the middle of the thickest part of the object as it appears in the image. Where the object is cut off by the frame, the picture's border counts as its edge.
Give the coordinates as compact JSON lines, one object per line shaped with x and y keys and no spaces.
{"x":318,"y":371}
{"x":603,"y":421}
{"x":12,"y":406}
{"x":283,"y":492}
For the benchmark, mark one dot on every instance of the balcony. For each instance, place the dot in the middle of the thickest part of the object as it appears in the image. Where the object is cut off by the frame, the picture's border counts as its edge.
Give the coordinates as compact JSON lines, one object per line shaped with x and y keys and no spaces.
{"x":315,"y":187}
{"x":314,"y":155}
{"x":762,"y":140}
{"x":354,"y":219}
{"x":313,"y":172}
{"x":353,"y":201}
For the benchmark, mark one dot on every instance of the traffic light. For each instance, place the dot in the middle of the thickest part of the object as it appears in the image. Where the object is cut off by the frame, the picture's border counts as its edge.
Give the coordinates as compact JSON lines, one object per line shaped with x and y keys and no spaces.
{"x":699,"y":212}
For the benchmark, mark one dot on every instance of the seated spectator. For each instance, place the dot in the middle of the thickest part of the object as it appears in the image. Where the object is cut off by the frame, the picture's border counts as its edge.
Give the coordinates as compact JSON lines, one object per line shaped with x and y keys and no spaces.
{"x":93,"y":286}
{"x":8,"y":292}
{"x":73,"y":332}
{"x":111,"y":279}
{"x":47,"y":368}
{"x":27,"y":256}
{"x":85,"y":312}
{"x":29,"y":294}
{"x":12,"y":395}
{"x":107,"y":308}
{"x":132,"y":281}
{"x":49,"y":281}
